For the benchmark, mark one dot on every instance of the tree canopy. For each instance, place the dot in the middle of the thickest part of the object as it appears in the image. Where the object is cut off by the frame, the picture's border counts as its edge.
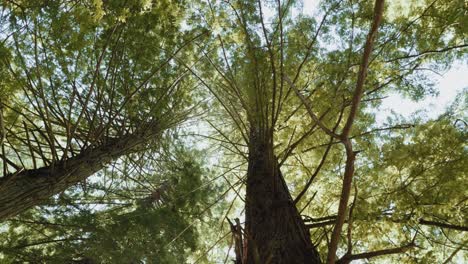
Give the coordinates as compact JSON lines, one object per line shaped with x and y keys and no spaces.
{"x":240,"y":130}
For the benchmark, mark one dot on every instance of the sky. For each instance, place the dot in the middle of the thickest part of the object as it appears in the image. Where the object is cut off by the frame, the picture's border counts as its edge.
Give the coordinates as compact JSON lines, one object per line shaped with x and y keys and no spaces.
{"x":449,"y":85}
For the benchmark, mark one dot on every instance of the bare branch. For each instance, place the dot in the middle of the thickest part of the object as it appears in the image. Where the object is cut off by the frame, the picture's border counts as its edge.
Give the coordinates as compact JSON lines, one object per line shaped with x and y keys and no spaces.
{"x":312,"y":177}
{"x":330,"y":220}
{"x":427,"y":52}
{"x":447,"y":261}
{"x":443,"y":225}
{"x":372,"y":254}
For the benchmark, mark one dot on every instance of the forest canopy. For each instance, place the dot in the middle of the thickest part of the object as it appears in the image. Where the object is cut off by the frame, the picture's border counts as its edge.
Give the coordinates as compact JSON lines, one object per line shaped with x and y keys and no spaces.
{"x":233,"y":131}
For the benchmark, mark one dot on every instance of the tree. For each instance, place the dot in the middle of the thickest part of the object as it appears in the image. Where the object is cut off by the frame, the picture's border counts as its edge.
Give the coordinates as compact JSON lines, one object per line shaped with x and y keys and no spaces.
{"x":84,"y":88}
{"x":85,"y":95}
{"x":142,"y":216}
{"x":273,"y":68}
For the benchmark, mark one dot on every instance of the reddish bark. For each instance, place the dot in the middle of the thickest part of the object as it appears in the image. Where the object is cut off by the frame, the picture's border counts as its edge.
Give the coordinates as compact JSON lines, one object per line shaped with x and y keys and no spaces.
{"x":275,"y":232}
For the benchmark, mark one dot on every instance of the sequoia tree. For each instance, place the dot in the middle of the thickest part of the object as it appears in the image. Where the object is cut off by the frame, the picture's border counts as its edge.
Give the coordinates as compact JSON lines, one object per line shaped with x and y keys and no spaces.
{"x":301,"y":87}
{"x":124,"y":214}
{"x":81,"y":87}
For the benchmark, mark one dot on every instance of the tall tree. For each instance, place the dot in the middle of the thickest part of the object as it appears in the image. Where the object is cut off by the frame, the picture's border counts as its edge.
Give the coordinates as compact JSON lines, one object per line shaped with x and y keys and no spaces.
{"x":146,"y":213}
{"x":273,"y":68}
{"x":92,"y":82}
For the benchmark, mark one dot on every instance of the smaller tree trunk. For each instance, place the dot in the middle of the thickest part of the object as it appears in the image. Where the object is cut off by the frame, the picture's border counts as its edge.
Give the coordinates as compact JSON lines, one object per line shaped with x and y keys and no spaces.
{"x":28,"y":188}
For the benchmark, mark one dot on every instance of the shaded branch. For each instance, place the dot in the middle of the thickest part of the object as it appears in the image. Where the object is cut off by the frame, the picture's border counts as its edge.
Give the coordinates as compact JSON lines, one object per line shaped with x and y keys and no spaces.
{"x":28,"y":188}
{"x":372,"y":254}
{"x":330,"y":220}
{"x":443,"y":225}
{"x":426,"y":52}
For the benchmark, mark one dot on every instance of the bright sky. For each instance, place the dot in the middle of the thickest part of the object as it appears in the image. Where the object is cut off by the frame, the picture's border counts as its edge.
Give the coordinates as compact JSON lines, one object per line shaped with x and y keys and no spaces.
{"x":449,"y":85}
{"x":310,"y":6}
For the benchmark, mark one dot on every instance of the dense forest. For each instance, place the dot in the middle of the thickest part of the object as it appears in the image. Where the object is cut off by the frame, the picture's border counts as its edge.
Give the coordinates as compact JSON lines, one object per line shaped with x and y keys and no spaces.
{"x":230,"y":131}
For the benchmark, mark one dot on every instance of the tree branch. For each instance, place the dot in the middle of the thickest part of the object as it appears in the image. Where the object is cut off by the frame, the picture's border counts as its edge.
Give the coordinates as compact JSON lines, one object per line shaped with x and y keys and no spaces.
{"x":378,"y":14}
{"x":443,"y":225}
{"x":426,"y":52}
{"x":350,"y":154}
{"x":372,"y":254}
{"x":330,"y":220}
{"x":309,"y":110}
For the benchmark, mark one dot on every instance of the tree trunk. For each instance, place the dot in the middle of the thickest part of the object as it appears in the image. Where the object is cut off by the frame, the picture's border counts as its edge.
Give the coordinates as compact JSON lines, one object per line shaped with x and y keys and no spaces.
{"x":23,"y":190}
{"x":275,"y":232}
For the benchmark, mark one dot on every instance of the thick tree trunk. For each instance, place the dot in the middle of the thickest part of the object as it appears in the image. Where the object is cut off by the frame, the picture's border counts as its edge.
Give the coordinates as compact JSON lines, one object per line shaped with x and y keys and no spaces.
{"x":28,"y":188}
{"x":275,"y":232}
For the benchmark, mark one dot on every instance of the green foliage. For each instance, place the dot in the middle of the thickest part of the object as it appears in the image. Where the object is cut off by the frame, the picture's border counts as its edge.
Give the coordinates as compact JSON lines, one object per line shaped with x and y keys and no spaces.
{"x":145,"y":61}
{"x":150,"y":222}
{"x":246,"y":74}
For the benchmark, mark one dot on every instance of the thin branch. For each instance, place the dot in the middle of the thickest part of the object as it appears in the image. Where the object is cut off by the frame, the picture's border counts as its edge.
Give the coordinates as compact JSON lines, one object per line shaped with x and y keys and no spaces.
{"x":372,"y":254}
{"x":350,"y":154}
{"x":309,"y":109}
{"x":426,"y":52}
{"x":292,"y":146}
{"x":330,"y":220}
{"x":447,"y":261}
{"x":443,"y":225}
{"x":312,"y":177}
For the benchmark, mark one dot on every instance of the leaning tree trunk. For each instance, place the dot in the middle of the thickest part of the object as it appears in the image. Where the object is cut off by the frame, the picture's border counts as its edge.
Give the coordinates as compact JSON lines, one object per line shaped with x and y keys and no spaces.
{"x":275,"y":232}
{"x":25,"y":189}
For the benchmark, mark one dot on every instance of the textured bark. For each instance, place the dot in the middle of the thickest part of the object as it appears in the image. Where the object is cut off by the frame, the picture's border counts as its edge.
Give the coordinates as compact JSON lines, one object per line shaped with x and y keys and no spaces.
{"x":28,"y":188}
{"x":275,"y":232}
